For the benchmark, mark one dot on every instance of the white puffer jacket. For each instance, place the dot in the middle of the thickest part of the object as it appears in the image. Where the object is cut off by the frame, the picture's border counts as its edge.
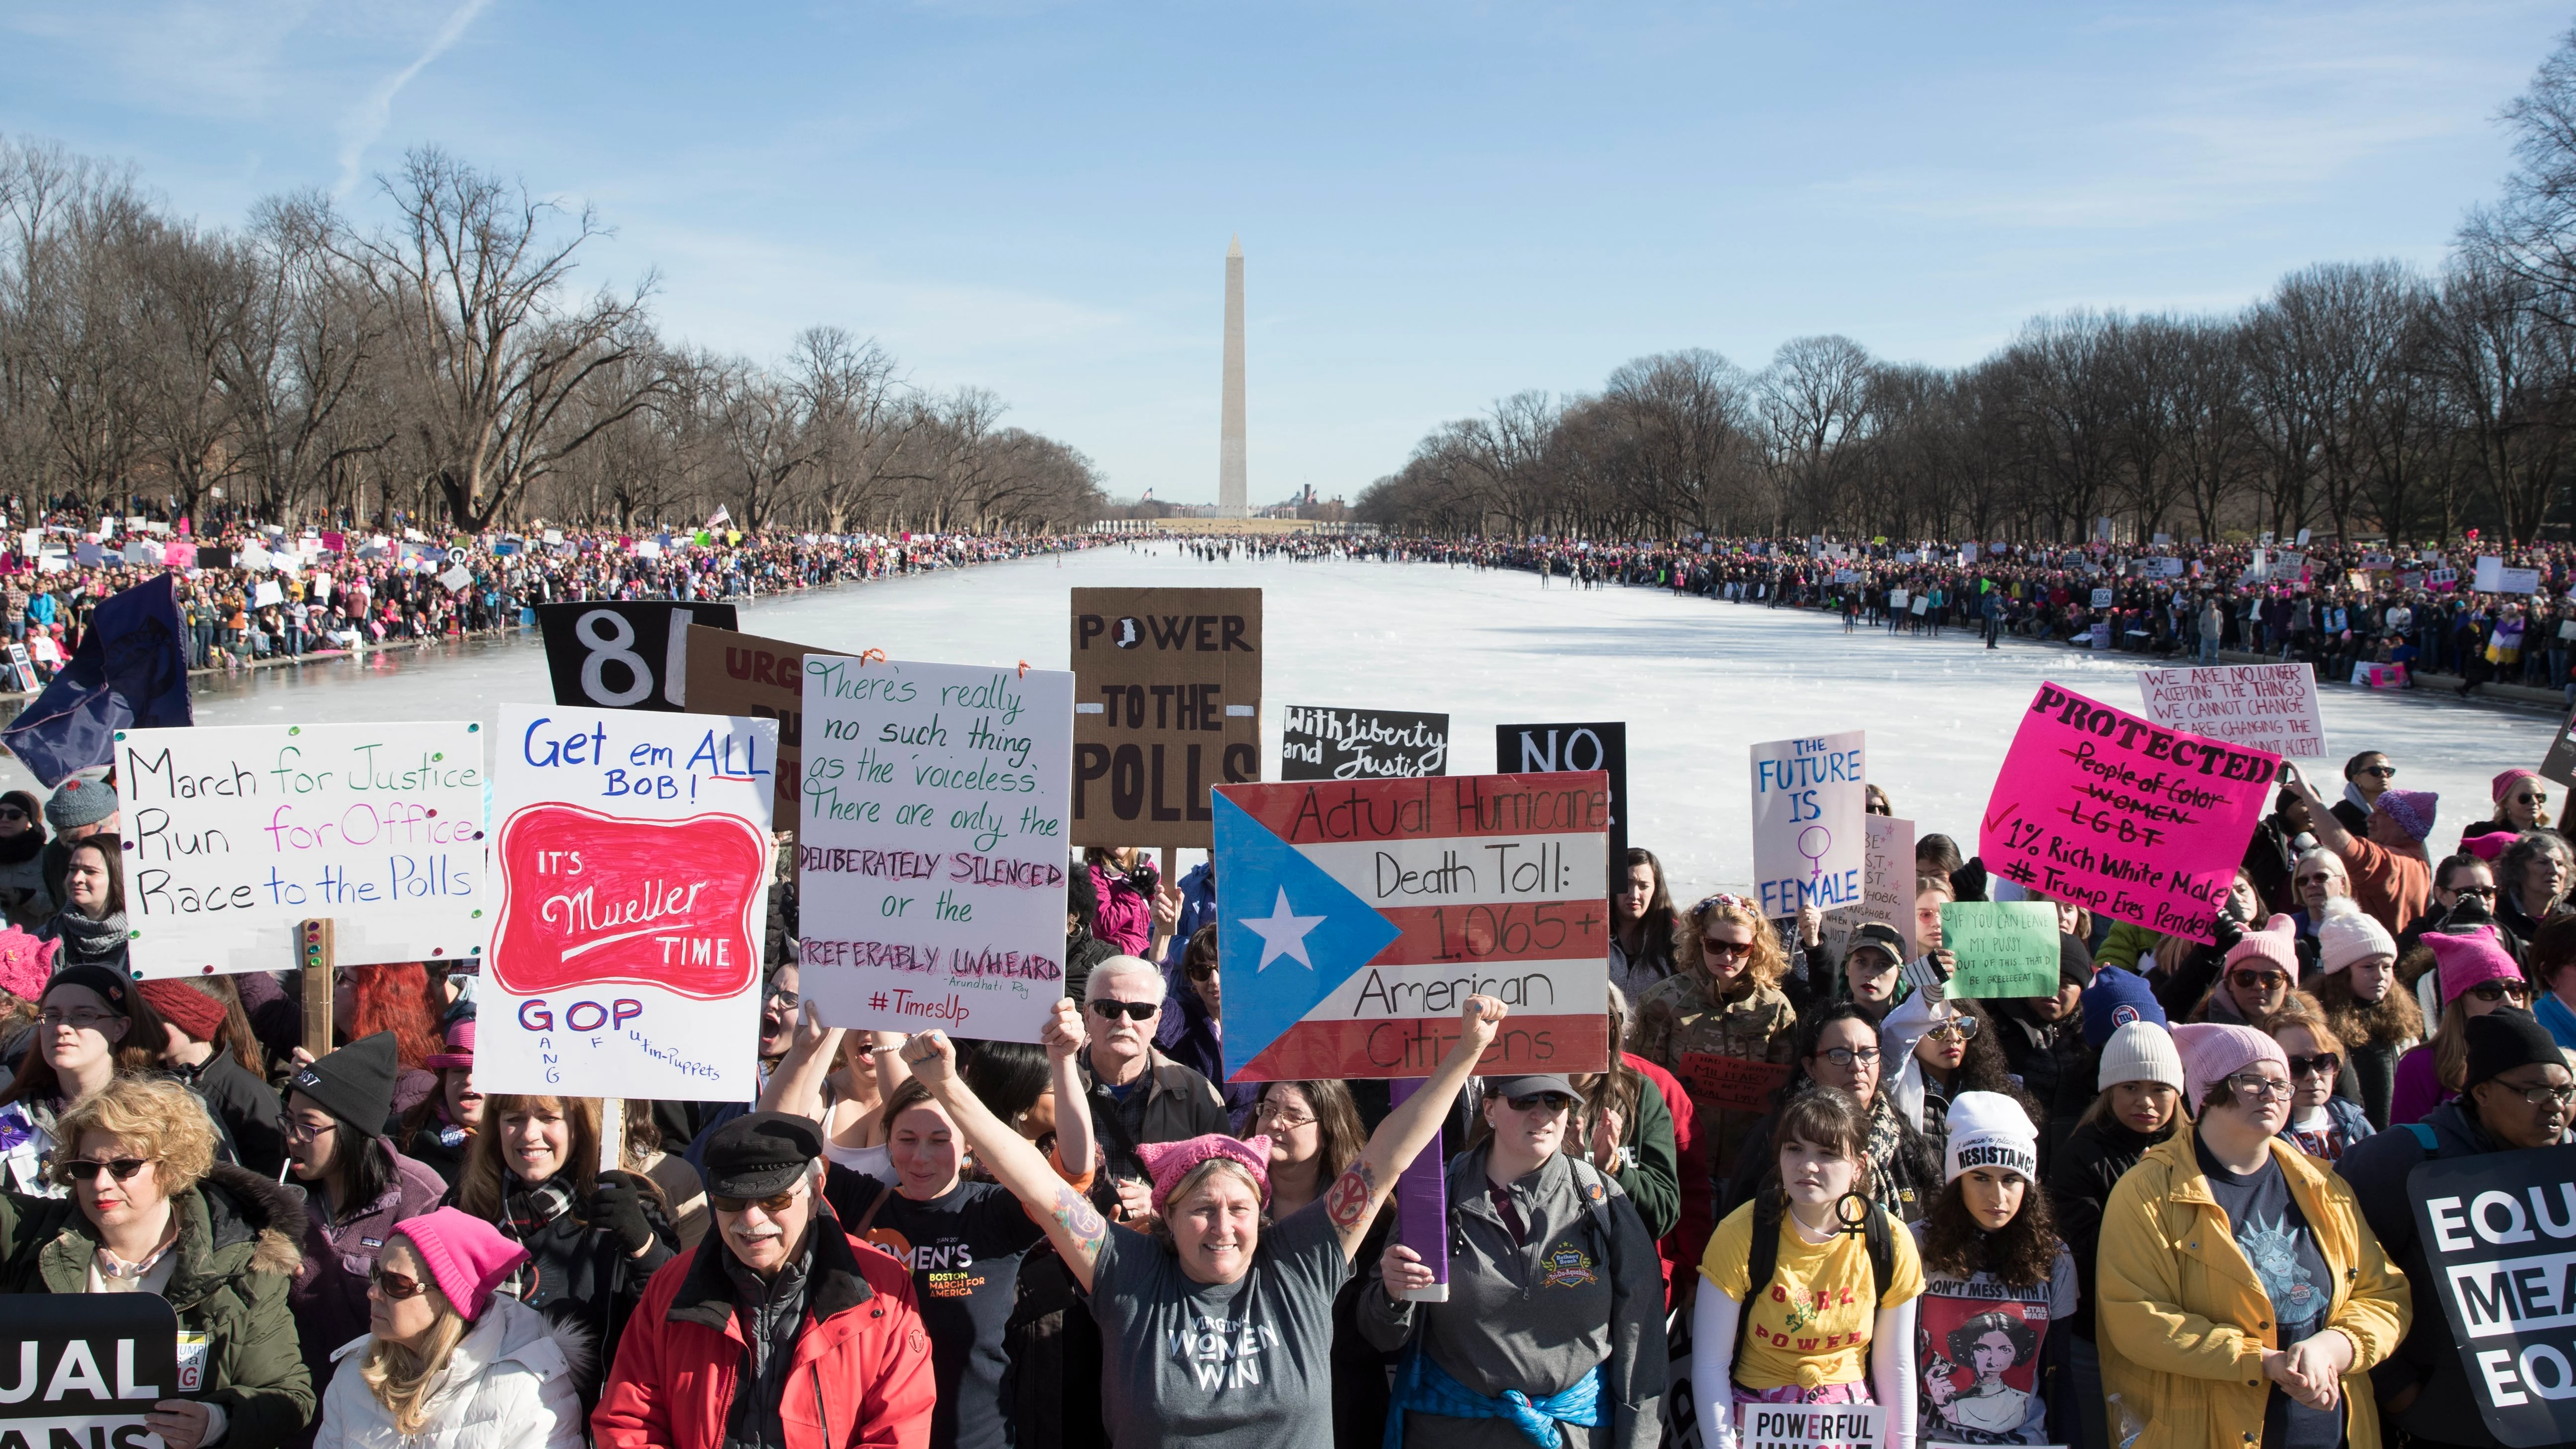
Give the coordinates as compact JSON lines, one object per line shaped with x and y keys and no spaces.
{"x":508,"y":1385}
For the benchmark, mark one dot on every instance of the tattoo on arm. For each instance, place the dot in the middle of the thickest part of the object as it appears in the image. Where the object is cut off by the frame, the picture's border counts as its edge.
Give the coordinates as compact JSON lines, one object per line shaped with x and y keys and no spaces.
{"x":1352,"y":1195}
{"x":1080,"y":1218}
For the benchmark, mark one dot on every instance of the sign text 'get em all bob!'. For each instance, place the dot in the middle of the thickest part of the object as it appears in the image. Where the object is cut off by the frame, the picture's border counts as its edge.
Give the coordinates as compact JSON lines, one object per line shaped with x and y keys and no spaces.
{"x":1167,"y":702}
{"x":233,"y":835}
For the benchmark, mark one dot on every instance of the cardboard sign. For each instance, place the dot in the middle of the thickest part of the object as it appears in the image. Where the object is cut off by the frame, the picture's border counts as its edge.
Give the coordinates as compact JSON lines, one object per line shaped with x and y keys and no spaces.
{"x":1887,"y":878}
{"x":2268,"y":706}
{"x":234,"y":835}
{"x":2122,"y":816}
{"x":2002,"y":949}
{"x":1167,"y":703}
{"x":931,"y":853}
{"x":2495,"y":1229}
{"x":744,"y":674}
{"x":1810,"y":1426}
{"x":1809,"y":799}
{"x":1358,"y":917}
{"x":624,"y":655}
{"x":634,"y":858}
{"x":2380,"y":676}
{"x":1528,"y":749}
{"x":1322,"y":743}
{"x":86,"y":1369}
{"x":1724,"y":1081}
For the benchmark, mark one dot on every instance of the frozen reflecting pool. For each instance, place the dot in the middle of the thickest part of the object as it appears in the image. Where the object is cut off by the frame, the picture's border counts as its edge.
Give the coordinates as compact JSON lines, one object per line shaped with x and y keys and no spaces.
{"x":1696,"y":681}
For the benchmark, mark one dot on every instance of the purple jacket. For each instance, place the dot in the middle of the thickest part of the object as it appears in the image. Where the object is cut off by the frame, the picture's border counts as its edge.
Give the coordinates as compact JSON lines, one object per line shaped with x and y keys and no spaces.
{"x":330,"y":1293}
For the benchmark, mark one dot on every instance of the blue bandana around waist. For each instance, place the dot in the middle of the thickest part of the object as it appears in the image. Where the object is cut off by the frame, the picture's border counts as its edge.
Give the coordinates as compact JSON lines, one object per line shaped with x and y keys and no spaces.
{"x":1425,"y":1386}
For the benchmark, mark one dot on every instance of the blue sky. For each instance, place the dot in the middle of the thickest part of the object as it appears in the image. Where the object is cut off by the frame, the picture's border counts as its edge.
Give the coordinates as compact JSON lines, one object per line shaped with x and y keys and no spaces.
{"x":1440,"y":203}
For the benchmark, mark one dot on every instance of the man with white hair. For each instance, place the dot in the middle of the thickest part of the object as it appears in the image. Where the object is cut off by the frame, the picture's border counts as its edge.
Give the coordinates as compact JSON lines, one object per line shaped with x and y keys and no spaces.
{"x":1138,"y":1095}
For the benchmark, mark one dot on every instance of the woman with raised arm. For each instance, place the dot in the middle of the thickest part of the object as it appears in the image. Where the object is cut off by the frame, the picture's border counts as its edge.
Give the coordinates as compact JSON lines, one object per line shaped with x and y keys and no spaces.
{"x":1214,"y":1326}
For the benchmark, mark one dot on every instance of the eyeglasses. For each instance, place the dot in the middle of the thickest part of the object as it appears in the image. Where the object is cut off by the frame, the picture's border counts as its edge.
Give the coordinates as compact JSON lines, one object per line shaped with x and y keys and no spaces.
{"x":2256,"y":1089}
{"x":1108,"y":1010}
{"x":1276,"y":1114}
{"x":774,"y":1204}
{"x":1725,"y":950}
{"x":2543,"y":1096}
{"x":2385,"y":772}
{"x":2323,"y":1064}
{"x":1552,"y":1101}
{"x":296,"y":1131}
{"x":1957,"y":1028}
{"x":784,"y":998}
{"x":83,"y":1169}
{"x":2257,"y":980}
{"x":77,"y":1020}
{"x":394,"y":1287}
{"x":2499,"y":990}
{"x":1845,"y":1056}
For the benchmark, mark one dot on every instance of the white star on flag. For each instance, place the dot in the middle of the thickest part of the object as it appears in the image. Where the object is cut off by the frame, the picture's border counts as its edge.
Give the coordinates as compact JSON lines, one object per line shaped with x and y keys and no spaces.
{"x":1282,"y":933}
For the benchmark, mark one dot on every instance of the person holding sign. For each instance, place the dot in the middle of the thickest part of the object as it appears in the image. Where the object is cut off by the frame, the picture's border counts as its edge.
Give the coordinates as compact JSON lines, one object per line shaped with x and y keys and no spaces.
{"x":151,"y":1211}
{"x":1808,"y":1290}
{"x":2242,"y":1297}
{"x":1216,"y":1325}
{"x":1720,"y":1022}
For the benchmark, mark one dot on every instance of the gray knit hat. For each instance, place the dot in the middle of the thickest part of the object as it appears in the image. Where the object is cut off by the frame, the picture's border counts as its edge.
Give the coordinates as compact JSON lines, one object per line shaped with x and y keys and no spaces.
{"x":2140,"y":1051}
{"x":80,"y":802}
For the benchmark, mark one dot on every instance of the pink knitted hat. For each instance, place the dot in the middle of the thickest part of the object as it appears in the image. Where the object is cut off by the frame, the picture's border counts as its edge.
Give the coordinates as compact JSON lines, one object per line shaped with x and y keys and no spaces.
{"x":460,"y":1049}
{"x":2469,"y":958}
{"x":2214,"y":1051}
{"x":1168,"y":1162}
{"x":467,"y":1257}
{"x":2504,"y":781}
{"x":26,"y":964}
{"x":2277,"y":943}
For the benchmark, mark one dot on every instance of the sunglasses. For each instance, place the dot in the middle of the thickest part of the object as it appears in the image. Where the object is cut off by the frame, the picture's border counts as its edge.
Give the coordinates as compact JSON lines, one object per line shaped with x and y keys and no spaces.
{"x":1553,"y":1101}
{"x":774,"y":1204}
{"x":83,"y":1169}
{"x":2534,"y":798}
{"x":2319,"y":878}
{"x":12,"y":812}
{"x":1960,"y":1028}
{"x":1725,"y":950}
{"x":2323,"y":1064}
{"x":2257,"y":980}
{"x":2384,"y":772}
{"x":394,"y":1287}
{"x":1202,"y":971}
{"x":1108,"y":1010}
{"x":2499,"y":990}
{"x":2482,"y":892}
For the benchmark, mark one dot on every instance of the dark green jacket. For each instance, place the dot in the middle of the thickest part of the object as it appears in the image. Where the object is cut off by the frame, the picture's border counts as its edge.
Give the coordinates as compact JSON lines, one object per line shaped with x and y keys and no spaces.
{"x":237,"y":1256}
{"x":1652,"y":1175}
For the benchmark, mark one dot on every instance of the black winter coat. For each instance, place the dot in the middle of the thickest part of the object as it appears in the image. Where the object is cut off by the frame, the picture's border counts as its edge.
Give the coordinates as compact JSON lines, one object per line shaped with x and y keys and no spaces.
{"x":2089,"y":1164}
{"x":574,"y":1273}
{"x":2055,"y":1070}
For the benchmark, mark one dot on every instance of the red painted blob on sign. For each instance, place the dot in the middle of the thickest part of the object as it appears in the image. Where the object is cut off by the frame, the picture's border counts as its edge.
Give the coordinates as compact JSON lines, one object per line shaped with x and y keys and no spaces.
{"x":590,"y":900}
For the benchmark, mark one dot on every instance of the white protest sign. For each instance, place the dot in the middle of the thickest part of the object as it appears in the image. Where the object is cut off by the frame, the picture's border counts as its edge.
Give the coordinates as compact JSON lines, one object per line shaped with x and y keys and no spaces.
{"x":1809,"y":799}
{"x":2494,"y":578}
{"x":1810,"y":1426}
{"x":2101,"y":598}
{"x":2268,"y":706}
{"x":235,"y":835}
{"x":1887,"y":878}
{"x":633,"y":857}
{"x":931,"y":845}
{"x":456,"y":577}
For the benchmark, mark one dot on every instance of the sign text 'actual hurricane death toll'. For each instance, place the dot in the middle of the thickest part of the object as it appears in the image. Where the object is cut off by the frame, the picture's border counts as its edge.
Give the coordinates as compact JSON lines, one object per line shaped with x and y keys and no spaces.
{"x":1358,"y":917}
{"x":2121,"y":815}
{"x":1167,"y":703}
{"x":233,"y":835}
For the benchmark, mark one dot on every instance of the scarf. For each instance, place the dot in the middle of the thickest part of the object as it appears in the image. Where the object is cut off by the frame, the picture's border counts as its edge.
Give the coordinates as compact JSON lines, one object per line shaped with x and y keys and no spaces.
{"x":1423,"y":1384}
{"x":89,"y":940}
{"x":22,"y":847}
{"x":2352,"y":792}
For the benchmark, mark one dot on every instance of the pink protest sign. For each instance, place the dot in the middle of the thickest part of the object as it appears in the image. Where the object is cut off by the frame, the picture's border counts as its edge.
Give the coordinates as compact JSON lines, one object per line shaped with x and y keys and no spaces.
{"x":2117,"y":814}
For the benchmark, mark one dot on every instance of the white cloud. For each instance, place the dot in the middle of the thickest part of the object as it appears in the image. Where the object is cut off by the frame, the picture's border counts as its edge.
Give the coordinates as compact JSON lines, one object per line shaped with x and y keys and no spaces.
{"x":368,"y":119}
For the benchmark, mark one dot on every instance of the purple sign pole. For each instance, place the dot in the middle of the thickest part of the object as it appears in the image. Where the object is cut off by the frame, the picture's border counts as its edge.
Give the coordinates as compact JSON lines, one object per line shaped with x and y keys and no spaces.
{"x":1422,"y":1207}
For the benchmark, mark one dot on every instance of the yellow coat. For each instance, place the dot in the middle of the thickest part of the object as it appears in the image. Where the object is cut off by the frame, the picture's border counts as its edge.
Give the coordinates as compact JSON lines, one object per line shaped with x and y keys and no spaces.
{"x":2184,"y":1322}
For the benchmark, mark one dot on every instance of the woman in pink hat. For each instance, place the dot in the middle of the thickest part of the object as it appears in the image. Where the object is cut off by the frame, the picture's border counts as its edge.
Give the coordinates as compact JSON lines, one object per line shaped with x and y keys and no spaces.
{"x":2476,"y":977}
{"x":447,"y":1362}
{"x":436,"y":1132}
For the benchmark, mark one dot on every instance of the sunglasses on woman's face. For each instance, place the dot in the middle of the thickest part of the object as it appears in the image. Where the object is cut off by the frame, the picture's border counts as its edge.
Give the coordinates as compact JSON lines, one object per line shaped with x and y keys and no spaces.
{"x":1725,"y":950}
{"x":2385,"y":772}
{"x":1202,"y":971}
{"x":394,"y":1287}
{"x":2531,"y":798}
{"x":1552,"y":1101}
{"x":83,"y":1169}
{"x":1960,"y":1028}
{"x":12,"y":812}
{"x":2323,"y":1064}
{"x":2499,"y":990}
{"x":2482,"y":892}
{"x":2258,"y":980}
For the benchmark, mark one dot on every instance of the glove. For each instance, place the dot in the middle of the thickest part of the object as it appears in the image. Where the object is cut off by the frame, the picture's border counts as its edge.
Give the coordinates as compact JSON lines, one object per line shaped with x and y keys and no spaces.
{"x":617,"y":1209}
{"x":2225,"y":931}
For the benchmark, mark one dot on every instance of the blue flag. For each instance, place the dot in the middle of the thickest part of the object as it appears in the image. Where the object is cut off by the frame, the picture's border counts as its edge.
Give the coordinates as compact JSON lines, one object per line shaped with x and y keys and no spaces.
{"x":131,"y":670}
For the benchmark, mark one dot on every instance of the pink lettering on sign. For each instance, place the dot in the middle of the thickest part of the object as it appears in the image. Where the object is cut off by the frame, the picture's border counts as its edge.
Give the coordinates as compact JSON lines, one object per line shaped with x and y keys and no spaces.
{"x":591,"y":900}
{"x":2122,"y":816}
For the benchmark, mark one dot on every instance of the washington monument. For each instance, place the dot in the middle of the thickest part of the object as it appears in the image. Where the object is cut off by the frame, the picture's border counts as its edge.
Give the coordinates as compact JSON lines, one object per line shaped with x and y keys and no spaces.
{"x":1232,"y":498}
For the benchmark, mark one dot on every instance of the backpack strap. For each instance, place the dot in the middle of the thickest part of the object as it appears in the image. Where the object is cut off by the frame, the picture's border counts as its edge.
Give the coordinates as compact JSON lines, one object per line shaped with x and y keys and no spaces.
{"x":1596,"y":1190}
{"x":2424,"y":1135}
{"x":1876,"y":1236}
{"x":1761,"y":1264}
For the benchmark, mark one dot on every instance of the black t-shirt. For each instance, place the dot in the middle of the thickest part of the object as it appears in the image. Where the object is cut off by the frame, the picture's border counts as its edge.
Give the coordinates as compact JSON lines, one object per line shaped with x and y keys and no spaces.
{"x":2274,"y":1236}
{"x":964,"y":1250}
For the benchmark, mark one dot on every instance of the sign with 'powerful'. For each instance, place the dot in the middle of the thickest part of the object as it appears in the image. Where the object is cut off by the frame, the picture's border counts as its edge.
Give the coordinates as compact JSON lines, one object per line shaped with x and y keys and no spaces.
{"x":1167,"y":703}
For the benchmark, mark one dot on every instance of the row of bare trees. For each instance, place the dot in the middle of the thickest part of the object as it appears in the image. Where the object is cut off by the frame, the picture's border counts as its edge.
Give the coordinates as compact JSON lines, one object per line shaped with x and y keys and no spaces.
{"x":446,"y":365}
{"x":2359,"y":399}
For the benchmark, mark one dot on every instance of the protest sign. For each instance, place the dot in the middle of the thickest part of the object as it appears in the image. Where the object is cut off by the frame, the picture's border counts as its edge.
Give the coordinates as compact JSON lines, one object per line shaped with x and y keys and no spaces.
{"x":2560,"y":763}
{"x":1809,"y":798}
{"x":2507,"y":1291}
{"x":2268,"y":706}
{"x":1529,"y":749}
{"x":1896,"y":598}
{"x":2493,"y":577}
{"x":1810,"y":1426}
{"x":2002,"y":949}
{"x":624,"y":655}
{"x":1737,"y":1082}
{"x":736,"y":673}
{"x":234,"y":835}
{"x":102,"y":1360}
{"x":634,"y":859}
{"x":1321,"y":743}
{"x":2101,"y":598}
{"x":1167,"y":702}
{"x":2379,"y":676}
{"x":1357,"y":918}
{"x":931,"y":853}
{"x":2121,"y":816}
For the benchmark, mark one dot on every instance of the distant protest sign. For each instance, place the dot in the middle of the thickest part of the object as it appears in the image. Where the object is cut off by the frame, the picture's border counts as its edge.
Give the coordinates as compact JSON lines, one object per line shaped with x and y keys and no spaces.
{"x":1323,"y":743}
{"x":2492,"y":577}
{"x":1167,"y":703}
{"x":1810,"y":796}
{"x":2495,"y":1230}
{"x":2002,"y":949}
{"x":1887,"y":886}
{"x":1358,"y":916}
{"x":744,"y":674}
{"x":102,"y":1360}
{"x":2121,"y":815}
{"x":1523,"y":749}
{"x":2268,"y":706}
{"x":627,"y":654}
{"x":931,"y":853}
{"x":2560,"y":763}
{"x":235,"y":835}
{"x":634,"y":857}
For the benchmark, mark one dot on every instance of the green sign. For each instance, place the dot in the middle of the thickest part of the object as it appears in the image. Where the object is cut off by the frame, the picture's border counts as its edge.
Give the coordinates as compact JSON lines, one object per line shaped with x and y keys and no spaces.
{"x":2003,"y":948}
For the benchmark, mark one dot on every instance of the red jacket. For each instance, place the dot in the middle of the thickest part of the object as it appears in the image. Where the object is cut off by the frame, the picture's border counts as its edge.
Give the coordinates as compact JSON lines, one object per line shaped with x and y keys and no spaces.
{"x":861,"y":1374}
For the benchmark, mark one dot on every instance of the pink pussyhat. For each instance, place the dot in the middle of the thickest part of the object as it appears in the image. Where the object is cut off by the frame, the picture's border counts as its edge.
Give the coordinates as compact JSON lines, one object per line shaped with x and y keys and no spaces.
{"x":2469,"y":958}
{"x":467,"y":1257}
{"x":26,"y":964}
{"x":1168,"y":1162}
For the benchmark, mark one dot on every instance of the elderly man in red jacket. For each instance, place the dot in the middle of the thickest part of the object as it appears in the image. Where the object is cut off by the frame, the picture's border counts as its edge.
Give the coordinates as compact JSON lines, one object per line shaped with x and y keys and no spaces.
{"x":779,"y":1331}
